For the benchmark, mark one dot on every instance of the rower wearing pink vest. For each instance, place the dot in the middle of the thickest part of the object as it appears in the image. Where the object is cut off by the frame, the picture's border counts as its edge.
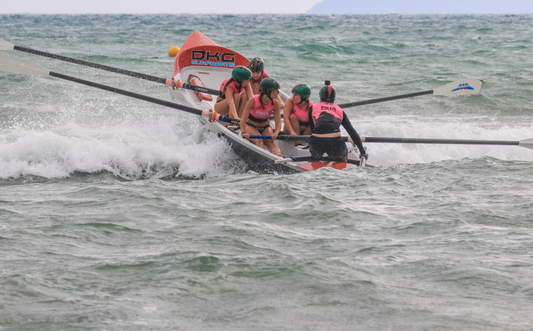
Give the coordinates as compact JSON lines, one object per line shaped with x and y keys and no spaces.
{"x":325,"y":121}
{"x":257,"y":67}
{"x":256,"y":115}
{"x":295,"y":113}
{"x":234,"y":93}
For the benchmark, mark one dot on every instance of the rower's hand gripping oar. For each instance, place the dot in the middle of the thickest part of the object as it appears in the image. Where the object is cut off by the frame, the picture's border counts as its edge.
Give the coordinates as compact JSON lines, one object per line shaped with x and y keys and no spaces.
{"x":527,"y":143}
{"x":7,"y":46}
{"x":17,"y":65}
{"x":459,"y":87}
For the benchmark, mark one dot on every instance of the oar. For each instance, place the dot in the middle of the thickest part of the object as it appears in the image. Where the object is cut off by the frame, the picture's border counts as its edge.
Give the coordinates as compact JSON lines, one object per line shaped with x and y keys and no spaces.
{"x":7,"y":46}
{"x":527,"y":143}
{"x":459,"y":87}
{"x":15,"y":64}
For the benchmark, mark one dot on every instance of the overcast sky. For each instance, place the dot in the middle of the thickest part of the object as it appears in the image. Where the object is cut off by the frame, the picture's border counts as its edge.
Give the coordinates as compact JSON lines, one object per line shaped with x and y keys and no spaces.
{"x":171,"y":6}
{"x":156,"y":6}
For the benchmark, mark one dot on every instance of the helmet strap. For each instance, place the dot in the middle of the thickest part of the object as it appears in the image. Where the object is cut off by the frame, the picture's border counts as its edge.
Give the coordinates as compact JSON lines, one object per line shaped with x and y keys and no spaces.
{"x":302,"y":100}
{"x":238,"y":81}
{"x":267,"y":93}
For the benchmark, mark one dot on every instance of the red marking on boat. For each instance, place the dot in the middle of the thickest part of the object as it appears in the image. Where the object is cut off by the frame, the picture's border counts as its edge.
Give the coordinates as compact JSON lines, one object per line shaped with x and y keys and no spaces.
{"x":310,"y":166}
{"x":195,"y":80}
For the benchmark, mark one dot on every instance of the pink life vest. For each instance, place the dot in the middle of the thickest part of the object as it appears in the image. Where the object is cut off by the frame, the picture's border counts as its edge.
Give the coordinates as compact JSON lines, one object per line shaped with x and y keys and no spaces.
{"x":327,"y":117}
{"x":302,"y":114}
{"x":258,"y":80}
{"x":260,"y":114}
{"x":328,"y":108}
{"x":232,"y":84}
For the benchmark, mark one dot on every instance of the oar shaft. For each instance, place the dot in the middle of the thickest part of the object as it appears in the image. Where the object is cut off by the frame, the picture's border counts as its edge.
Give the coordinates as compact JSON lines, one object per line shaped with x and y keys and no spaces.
{"x":437,"y":141}
{"x":116,"y":70}
{"x":141,"y":97}
{"x":92,"y":65}
{"x":384,"y":99}
{"x":524,"y":143}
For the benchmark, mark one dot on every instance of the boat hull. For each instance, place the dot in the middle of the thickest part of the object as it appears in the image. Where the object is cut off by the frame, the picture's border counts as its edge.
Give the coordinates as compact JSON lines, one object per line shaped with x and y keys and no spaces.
{"x":211,"y":74}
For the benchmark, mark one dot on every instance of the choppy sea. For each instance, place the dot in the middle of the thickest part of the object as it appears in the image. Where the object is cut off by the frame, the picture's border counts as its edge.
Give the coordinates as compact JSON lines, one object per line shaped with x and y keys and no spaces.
{"x":117,"y":214}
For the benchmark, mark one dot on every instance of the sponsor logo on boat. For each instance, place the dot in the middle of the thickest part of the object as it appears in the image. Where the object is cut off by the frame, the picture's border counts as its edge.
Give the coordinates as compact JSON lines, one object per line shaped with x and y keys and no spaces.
{"x":464,"y":86}
{"x":206,"y":58}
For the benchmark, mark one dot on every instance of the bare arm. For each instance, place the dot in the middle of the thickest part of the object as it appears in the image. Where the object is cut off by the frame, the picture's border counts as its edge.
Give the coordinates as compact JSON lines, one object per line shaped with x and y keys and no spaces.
{"x":286,"y":116}
{"x":249,"y":92}
{"x":231,"y":102}
{"x":249,"y":105}
{"x":277,"y":120}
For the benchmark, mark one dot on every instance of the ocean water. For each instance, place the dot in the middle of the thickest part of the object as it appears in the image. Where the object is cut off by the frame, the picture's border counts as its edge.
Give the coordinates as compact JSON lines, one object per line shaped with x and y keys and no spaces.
{"x":117,"y":214}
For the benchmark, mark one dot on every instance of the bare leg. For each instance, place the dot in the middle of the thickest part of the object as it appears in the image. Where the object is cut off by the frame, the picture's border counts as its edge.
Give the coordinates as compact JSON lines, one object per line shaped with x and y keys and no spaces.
{"x":255,"y":88}
{"x":271,"y":145}
{"x":295,"y":123}
{"x":253,"y":132}
{"x":222,"y":107}
{"x":306,"y":130}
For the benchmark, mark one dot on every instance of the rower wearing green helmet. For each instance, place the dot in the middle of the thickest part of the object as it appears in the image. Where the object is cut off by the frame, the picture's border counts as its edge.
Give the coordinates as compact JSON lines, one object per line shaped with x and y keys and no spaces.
{"x":255,"y":119}
{"x":295,"y":113}
{"x":234,"y":93}
{"x":325,"y":121}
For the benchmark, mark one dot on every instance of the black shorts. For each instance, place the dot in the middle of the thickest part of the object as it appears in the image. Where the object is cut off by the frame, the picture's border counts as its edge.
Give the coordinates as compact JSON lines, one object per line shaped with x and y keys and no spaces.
{"x":335,"y":147}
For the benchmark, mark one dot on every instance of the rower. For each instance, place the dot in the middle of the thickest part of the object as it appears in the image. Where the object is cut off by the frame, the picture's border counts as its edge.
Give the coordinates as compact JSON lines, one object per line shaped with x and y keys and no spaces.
{"x":256,"y":116}
{"x":257,"y":67}
{"x":326,"y":119}
{"x":295,"y":112}
{"x":234,"y":93}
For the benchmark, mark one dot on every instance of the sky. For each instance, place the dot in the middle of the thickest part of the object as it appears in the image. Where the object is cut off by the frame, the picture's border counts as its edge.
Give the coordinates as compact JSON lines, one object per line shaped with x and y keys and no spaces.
{"x":156,"y":6}
{"x":175,"y":6}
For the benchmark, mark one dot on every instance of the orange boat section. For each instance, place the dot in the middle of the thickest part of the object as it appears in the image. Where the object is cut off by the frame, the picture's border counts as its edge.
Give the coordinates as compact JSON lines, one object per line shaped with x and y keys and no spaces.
{"x":199,"y":50}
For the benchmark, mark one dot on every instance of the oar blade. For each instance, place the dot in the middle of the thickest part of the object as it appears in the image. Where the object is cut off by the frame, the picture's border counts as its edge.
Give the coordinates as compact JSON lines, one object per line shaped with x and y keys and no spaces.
{"x":6,"y":45}
{"x":17,"y":65}
{"x":460,"y":87}
{"x":527,"y":143}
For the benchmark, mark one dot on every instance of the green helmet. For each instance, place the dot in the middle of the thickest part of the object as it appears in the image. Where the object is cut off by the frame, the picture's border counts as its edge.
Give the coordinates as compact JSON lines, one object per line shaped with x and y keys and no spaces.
{"x":256,"y":65}
{"x":241,"y":73}
{"x":327,"y":93}
{"x":268,"y":84}
{"x":302,"y":90}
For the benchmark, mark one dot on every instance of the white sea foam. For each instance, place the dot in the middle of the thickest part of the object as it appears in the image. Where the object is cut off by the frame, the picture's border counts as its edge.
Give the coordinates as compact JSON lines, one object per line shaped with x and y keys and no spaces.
{"x":134,"y":151}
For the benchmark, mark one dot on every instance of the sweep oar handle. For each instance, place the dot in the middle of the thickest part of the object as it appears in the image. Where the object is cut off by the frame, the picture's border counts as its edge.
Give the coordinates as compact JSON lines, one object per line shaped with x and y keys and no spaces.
{"x":4,"y":45}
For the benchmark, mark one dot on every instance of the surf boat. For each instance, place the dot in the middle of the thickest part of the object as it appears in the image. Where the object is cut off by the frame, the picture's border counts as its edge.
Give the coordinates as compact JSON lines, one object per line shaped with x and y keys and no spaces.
{"x":202,"y":62}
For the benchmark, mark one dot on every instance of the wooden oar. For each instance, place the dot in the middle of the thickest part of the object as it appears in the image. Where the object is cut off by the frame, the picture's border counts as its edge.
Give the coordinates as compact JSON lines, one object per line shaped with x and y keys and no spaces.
{"x":15,"y":64}
{"x":459,"y":87}
{"x":527,"y":143}
{"x":6,"y":46}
